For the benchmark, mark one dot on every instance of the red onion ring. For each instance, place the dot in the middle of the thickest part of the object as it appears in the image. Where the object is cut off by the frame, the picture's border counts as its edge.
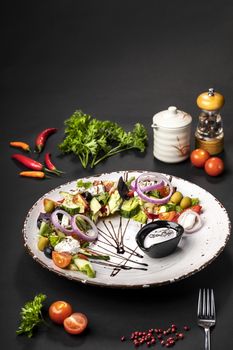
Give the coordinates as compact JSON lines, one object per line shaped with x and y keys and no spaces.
{"x":82,"y":235}
{"x":56,"y":223}
{"x":149,"y":199}
{"x":148,"y":188}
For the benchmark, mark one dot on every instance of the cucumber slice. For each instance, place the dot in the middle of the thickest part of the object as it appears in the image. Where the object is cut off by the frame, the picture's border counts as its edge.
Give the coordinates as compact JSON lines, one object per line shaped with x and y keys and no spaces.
{"x":72,"y":209}
{"x":85,"y":266}
{"x":130,"y":207}
{"x":95,"y":205}
{"x":69,"y":206}
{"x":140,"y":217}
{"x":114,"y":202}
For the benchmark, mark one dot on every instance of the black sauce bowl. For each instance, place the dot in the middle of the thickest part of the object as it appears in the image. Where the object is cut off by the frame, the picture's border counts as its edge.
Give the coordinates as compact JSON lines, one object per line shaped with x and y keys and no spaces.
{"x":159,"y":250}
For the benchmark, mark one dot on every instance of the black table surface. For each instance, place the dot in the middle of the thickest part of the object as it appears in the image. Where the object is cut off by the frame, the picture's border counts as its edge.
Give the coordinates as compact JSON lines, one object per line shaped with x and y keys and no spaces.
{"x":121,"y":61}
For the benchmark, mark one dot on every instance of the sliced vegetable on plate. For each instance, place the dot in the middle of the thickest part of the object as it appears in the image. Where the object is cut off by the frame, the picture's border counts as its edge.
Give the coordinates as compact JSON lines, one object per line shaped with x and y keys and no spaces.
{"x":64,"y":232}
{"x":95,"y":228}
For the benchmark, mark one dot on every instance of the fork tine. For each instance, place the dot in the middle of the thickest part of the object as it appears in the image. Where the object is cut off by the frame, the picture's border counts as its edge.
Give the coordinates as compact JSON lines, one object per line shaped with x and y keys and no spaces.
{"x":199,"y":303}
{"x":212,"y":304}
{"x":208,"y":306}
{"x":204,"y":303}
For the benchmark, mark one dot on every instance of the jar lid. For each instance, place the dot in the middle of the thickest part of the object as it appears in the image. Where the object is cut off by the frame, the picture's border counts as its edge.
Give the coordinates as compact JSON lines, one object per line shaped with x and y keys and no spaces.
{"x":172,"y":118}
{"x":210,"y":100}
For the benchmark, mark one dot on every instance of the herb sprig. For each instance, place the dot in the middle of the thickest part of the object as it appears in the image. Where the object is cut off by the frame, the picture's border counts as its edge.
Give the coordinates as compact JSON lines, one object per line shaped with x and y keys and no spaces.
{"x":94,"y":140}
{"x":31,"y":315}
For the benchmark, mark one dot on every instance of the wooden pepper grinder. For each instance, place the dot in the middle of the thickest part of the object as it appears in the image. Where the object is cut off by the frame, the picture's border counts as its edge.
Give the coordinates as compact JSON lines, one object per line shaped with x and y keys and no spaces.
{"x":209,"y":133}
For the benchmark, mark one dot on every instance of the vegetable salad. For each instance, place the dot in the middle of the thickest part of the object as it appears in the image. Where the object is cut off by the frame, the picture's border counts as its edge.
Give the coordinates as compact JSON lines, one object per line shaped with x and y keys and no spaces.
{"x":67,"y":227}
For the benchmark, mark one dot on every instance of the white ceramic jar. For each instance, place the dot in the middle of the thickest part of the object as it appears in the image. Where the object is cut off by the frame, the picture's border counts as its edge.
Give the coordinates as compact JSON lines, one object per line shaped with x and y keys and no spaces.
{"x":172,"y":130}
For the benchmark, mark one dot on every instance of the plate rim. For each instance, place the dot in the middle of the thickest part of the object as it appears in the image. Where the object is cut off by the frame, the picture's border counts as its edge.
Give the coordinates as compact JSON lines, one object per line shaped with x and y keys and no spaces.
{"x":124,"y":286}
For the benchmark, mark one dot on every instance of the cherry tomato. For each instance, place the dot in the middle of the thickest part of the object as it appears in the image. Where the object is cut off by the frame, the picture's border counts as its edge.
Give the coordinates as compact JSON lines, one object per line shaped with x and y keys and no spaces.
{"x":76,"y":323}
{"x":61,"y":260}
{"x":214,"y":166}
{"x":59,"y":310}
{"x":169,"y":216}
{"x":199,"y":157}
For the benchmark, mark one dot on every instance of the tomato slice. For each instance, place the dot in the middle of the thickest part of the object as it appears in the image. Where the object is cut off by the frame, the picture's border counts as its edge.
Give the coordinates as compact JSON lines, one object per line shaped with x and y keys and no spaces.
{"x":176,"y":217}
{"x":59,"y":310}
{"x":164,"y":191}
{"x":197,"y":208}
{"x":82,"y":256}
{"x":151,"y":216}
{"x":61,"y":260}
{"x":130,"y":193}
{"x":76,"y":323}
{"x":108,"y":185}
{"x":169,"y":216}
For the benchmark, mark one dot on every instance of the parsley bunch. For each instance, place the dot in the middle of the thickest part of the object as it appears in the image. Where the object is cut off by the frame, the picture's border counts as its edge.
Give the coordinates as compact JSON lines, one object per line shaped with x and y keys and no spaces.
{"x":31,"y":315}
{"x":94,"y":140}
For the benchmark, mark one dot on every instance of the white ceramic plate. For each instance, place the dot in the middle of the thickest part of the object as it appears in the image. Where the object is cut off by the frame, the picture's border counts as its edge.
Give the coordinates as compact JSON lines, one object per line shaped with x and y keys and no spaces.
{"x":130,"y":268}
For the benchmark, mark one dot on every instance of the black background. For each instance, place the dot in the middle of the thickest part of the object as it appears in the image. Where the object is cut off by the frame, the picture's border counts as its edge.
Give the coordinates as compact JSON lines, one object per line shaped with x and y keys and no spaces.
{"x":123,"y":61}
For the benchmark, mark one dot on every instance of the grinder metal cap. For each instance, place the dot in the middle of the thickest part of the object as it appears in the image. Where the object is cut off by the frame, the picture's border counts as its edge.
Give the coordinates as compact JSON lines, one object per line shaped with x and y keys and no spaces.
{"x":210,"y":100}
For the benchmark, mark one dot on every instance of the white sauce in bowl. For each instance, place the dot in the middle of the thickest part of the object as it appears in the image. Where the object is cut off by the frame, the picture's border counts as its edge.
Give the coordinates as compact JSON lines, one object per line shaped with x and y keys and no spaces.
{"x":159,"y":235}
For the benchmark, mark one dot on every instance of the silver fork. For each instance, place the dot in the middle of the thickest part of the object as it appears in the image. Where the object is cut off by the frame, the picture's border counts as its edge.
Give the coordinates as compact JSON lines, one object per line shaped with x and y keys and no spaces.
{"x":206,"y":315}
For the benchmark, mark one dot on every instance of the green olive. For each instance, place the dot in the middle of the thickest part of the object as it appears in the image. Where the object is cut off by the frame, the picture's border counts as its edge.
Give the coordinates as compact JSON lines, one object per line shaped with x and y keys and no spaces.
{"x":176,"y":197}
{"x":185,"y":202}
{"x":49,"y":205}
{"x":42,"y":243}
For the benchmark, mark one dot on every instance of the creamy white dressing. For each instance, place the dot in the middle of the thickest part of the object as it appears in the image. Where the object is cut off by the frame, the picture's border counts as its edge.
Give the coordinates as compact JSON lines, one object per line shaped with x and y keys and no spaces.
{"x":159,"y":235}
{"x":68,"y":245}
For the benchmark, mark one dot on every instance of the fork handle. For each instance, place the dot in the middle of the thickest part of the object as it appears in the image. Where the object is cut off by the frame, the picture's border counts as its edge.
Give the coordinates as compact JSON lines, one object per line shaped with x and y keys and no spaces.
{"x":207,"y":339}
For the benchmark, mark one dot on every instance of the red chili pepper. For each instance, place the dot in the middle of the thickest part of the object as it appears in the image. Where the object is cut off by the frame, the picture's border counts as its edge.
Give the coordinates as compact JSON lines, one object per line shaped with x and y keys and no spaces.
{"x":50,"y":165}
{"x":42,"y":137}
{"x":30,"y":163}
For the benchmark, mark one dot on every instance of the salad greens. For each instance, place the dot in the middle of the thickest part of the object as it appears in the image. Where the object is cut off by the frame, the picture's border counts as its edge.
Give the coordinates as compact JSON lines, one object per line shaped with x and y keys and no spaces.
{"x":86,"y":185}
{"x":98,"y":199}
{"x":31,"y":315}
{"x":94,"y":140}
